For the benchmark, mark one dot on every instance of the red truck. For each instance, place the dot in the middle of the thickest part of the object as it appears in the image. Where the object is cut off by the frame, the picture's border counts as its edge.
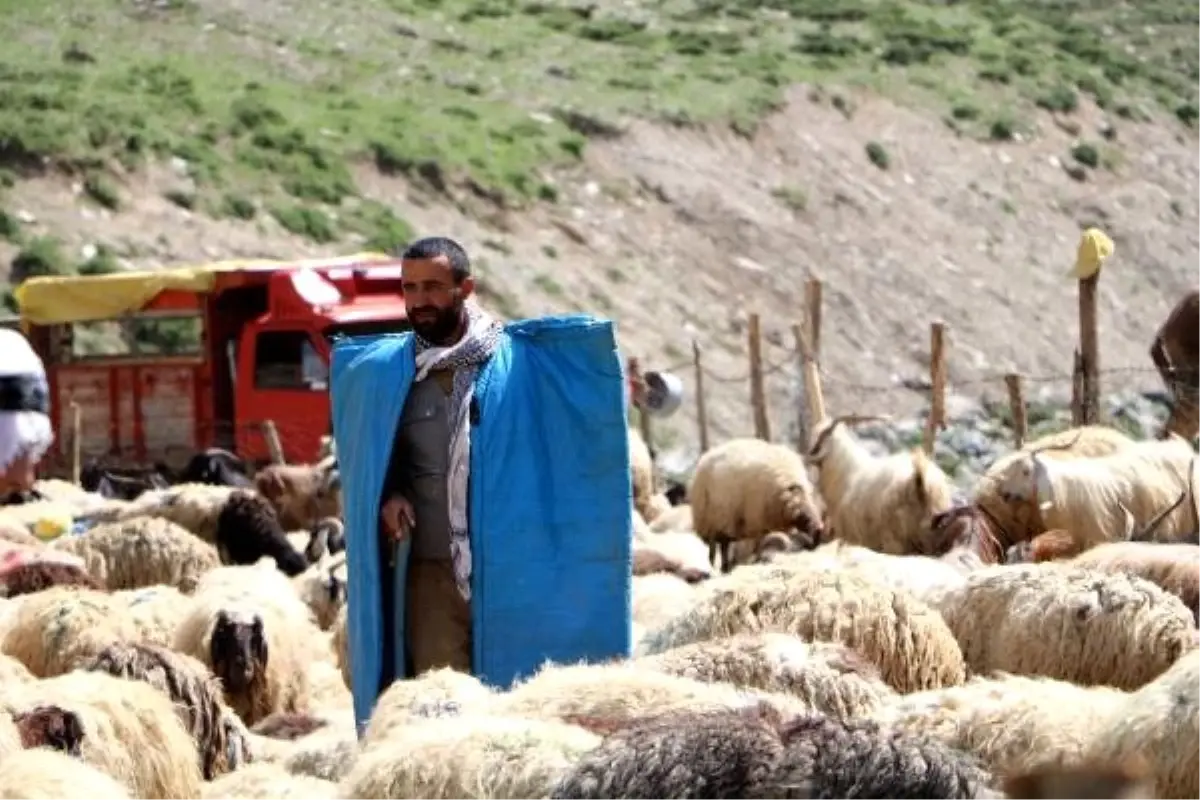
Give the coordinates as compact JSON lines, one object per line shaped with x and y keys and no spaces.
{"x":163,"y":364}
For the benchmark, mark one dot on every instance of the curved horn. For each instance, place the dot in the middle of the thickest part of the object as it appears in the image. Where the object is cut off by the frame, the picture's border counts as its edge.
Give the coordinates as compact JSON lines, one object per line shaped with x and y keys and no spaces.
{"x":846,"y":419}
{"x":1067,"y":446}
{"x":1144,"y":534}
{"x":1130,"y":522}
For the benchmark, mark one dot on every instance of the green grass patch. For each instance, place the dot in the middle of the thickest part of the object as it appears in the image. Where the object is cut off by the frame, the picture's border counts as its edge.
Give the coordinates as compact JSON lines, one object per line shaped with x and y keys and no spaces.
{"x":279,"y":104}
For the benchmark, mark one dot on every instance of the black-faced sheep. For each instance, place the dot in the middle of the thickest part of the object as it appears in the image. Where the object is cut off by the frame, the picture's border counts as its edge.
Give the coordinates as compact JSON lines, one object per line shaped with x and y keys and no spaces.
{"x":240,"y":524}
{"x":39,"y":575}
{"x":216,"y":467}
{"x":194,"y":691}
{"x":52,"y":727}
{"x":744,"y":489}
{"x":247,"y":530}
{"x":249,"y":627}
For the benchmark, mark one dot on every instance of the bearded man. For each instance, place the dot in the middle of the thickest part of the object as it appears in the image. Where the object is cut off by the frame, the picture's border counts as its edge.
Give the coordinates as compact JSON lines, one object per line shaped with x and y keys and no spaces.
{"x":421,"y":501}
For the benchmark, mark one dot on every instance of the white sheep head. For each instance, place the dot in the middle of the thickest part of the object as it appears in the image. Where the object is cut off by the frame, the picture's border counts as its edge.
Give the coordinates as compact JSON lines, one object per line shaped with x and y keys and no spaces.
{"x":824,"y":438}
{"x":1029,"y":479}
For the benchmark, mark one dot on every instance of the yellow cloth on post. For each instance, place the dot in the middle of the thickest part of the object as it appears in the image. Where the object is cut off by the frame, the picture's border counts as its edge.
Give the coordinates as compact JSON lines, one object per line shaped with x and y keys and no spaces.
{"x":1094,"y":248}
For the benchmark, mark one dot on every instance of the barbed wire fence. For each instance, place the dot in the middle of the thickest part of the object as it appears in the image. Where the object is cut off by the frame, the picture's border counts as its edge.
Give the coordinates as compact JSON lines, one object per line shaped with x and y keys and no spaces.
{"x":810,"y":381}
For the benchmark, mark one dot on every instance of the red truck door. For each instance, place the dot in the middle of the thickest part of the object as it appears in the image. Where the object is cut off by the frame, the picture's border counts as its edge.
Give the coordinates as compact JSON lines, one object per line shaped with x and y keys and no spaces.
{"x":283,"y":376}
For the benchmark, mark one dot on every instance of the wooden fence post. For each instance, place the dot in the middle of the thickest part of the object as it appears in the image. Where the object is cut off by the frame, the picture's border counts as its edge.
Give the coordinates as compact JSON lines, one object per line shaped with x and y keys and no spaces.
{"x":1016,"y":404}
{"x":813,"y":396}
{"x":76,"y":442}
{"x":812,"y":305}
{"x":1089,"y":351}
{"x":758,"y":395}
{"x":1077,"y":402}
{"x":701,"y":409}
{"x":274,"y":444}
{"x":937,"y":381}
{"x":810,"y":336}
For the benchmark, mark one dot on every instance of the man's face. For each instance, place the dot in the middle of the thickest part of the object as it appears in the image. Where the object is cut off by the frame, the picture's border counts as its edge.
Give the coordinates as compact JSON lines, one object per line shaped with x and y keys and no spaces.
{"x":433,"y":300}
{"x":18,"y":476}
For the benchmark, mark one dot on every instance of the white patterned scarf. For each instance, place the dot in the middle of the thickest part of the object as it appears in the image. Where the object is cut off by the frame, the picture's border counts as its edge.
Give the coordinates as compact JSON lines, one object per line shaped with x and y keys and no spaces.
{"x":465,"y":358}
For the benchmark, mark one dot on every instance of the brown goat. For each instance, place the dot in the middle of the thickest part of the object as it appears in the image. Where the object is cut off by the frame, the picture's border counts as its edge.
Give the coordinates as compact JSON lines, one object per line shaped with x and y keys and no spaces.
{"x":967,"y":527}
{"x":1176,"y":355}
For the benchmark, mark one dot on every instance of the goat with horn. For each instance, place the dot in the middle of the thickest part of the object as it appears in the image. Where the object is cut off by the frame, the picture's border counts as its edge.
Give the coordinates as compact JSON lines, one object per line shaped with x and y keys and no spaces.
{"x":885,"y":503}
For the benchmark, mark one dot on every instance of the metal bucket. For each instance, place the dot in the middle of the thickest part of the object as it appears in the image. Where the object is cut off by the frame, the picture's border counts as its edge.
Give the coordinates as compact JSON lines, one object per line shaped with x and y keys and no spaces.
{"x":664,"y":393}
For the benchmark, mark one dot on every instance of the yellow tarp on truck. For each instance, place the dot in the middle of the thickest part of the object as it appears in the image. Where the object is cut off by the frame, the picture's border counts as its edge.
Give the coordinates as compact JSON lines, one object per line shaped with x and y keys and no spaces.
{"x":86,"y":298}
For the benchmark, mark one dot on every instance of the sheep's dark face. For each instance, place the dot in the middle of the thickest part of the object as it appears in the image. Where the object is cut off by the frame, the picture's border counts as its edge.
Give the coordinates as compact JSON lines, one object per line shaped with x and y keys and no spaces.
{"x":50,"y":726}
{"x":335,"y":586}
{"x":238,"y":651}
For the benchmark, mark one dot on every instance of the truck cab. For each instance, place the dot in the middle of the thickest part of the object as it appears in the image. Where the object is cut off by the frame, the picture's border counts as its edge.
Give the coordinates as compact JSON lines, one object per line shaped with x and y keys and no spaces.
{"x":163,"y":364}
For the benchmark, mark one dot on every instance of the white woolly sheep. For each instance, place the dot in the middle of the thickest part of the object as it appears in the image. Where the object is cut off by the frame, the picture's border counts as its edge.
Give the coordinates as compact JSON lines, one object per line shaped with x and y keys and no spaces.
{"x":885,"y":503}
{"x":327,"y":689}
{"x":248,"y":626}
{"x":658,"y":598}
{"x":908,"y":641}
{"x":676,"y":519}
{"x":57,"y":630}
{"x":745,"y":489}
{"x":50,"y":775}
{"x":598,"y":696}
{"x":681,"y":554}
{"x":11,"y":740}
{"x":268,"y":782}
{"x":1173,"y":567}
{"x":1067,"y":623}
{"x":142,"y":551}
{"x":1014,"y":724}
{"x":476,"y":756}
{"x":130,"y":730}
{"x":156,"y":612}
{"x":434,"y":694}
{"x":829,"y":678}
{"x":328,"y":756}
{"x":1159,"y":725}
{"x":923,"y":577}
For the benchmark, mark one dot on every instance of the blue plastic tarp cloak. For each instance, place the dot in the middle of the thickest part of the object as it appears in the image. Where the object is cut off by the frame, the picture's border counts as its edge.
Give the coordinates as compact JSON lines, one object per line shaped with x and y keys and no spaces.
{"x":549,"y":502}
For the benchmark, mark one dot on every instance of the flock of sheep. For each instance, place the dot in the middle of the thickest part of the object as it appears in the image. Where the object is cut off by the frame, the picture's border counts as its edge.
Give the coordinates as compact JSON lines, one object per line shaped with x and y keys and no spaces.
{"x":826,"y":624}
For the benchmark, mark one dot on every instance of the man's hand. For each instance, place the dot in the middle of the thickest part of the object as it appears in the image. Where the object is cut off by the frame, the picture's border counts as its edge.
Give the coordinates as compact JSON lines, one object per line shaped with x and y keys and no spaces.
{"x":397,"y":517}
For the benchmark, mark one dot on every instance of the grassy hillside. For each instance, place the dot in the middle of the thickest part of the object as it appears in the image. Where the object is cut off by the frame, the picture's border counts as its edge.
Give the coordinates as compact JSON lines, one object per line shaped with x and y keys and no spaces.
{"x":271,"y":103}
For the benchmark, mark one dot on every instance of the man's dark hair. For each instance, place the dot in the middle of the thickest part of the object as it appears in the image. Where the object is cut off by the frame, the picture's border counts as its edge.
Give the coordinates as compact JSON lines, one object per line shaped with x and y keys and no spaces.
{"x":435,"y":246}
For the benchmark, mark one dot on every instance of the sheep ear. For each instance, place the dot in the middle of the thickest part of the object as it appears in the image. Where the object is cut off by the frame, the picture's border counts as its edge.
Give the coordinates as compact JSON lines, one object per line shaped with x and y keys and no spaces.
{"x":1043,"y":486}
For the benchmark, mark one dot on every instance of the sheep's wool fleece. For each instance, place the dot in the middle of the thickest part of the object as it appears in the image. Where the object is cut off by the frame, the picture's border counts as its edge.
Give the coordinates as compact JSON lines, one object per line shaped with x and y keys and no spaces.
{"x":22,"y":431}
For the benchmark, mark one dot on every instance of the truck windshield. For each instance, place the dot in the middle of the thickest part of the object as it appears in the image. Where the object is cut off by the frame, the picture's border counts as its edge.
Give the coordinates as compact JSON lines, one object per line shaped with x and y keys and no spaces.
{"x":370,"y":328}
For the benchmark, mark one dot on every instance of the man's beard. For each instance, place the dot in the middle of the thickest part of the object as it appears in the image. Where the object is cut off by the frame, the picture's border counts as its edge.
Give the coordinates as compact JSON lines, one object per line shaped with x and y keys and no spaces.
{"x":438,"y":330}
